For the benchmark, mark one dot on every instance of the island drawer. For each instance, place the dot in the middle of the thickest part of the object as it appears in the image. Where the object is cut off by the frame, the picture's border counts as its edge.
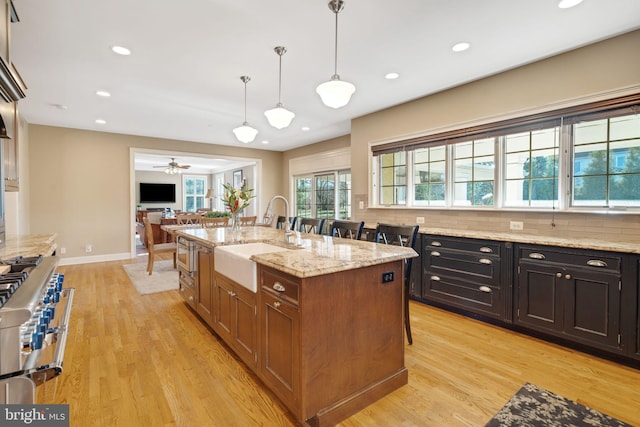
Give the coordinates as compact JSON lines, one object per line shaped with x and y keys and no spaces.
{"x":280,"y":285}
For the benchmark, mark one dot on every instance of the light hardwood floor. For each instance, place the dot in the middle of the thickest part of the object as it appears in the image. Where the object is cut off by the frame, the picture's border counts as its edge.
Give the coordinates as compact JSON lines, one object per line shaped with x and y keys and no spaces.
{"x":136,"y":360}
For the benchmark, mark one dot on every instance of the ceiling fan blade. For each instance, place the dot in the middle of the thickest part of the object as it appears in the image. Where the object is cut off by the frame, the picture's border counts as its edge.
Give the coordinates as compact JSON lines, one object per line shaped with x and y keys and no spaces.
{"x":183,"y":166}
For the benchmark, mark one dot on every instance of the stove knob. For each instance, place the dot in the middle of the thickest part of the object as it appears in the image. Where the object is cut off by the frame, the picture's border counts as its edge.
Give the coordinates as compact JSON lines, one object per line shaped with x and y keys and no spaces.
{"x":37,"y":338}
{"x":45,"y":318}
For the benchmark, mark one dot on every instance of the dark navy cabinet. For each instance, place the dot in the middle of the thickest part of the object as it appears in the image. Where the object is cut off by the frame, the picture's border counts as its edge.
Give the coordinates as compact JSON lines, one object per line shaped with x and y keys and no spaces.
{"x":469,"y":274}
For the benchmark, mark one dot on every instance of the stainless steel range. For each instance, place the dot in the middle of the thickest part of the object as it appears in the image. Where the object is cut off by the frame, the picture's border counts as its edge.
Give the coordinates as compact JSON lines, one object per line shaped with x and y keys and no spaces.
{"x":34,"y":319}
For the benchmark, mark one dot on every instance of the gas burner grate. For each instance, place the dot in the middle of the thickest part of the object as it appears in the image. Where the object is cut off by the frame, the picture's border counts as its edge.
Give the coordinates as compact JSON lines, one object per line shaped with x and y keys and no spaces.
{"x":9,"y":282}
{"x":19,"y":263}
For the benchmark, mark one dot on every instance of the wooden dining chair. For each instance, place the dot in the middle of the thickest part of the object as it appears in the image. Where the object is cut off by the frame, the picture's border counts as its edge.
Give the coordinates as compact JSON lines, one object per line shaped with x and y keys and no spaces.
{"x":400,"y":235}
{"x":156,"y":248}
{"x":215,"y":222}
{"x":248,"y":220}
{"x":311,"y":225}
{"x":347,"y":229}
{"x":189,"y":218}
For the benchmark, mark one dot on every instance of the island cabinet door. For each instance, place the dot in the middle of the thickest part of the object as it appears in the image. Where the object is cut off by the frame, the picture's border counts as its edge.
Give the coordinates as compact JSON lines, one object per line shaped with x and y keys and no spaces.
{"x":245,"y":323}
{"x":223,"y":306}
{"x":205,"y":283}
{"x":279,"y":365}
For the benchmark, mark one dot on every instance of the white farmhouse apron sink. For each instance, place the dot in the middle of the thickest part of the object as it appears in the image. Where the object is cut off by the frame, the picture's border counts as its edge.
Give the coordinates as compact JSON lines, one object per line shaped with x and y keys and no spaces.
{"x":233,"y":261}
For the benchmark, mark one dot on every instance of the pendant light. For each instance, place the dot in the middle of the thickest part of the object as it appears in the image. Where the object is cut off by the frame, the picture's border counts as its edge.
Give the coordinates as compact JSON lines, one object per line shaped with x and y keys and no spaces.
{"x":245,"y":133}
{"x":336,"y":93}
{"x":279,"y":117}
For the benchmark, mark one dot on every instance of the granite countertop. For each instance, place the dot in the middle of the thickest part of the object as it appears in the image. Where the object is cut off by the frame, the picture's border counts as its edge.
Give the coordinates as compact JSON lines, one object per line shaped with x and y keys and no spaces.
{"x":533,"y":239}
{"x":29,"y":245}
{"x":602,"y":245}
{"x":310,"y":255}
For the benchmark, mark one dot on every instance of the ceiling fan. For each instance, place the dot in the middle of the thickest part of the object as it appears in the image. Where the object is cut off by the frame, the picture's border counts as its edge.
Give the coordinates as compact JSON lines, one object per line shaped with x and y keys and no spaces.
{"x":173,"y":168}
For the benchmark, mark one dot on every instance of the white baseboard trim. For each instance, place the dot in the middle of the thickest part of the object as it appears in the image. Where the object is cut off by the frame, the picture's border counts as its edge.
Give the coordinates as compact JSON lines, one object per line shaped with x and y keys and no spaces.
{"x":95,"y":258}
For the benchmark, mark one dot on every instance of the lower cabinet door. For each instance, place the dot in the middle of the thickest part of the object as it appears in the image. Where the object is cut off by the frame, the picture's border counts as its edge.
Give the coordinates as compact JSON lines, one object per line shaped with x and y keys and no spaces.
{"x":280,"y":348}
{"x":223,"y":307}
{"x":244,"y":325}
{"x":539,"y":299}
{"x":592,"y":307}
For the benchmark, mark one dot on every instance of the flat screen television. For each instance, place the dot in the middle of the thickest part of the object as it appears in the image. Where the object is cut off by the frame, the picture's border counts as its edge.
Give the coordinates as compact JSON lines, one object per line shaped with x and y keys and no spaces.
{"x":157,"y":193}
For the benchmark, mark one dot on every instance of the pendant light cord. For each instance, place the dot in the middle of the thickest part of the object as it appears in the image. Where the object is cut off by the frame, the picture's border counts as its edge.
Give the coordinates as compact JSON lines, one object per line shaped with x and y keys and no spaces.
{"x":335,"y":59}
{"x":280,"y":80}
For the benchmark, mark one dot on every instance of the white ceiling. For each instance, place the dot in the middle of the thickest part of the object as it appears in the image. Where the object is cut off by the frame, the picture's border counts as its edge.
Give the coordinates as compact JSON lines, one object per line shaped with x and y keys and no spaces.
{"x":182,"y":80}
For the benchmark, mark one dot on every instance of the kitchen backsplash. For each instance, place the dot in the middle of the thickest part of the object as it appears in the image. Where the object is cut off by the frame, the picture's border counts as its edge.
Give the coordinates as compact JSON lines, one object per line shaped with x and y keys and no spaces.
{"x":610,"y":227}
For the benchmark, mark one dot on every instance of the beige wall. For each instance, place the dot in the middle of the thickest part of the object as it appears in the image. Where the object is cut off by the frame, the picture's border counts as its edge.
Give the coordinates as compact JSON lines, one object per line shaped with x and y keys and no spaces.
{"x":606,"y":69}
{"x":80,"y":185}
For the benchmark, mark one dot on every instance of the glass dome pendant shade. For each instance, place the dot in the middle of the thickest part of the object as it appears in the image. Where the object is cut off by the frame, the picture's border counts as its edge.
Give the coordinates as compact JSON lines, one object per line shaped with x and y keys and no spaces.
{"x":336,"y":93}
{"x":279,"y":117}
{"x":245,"y":133}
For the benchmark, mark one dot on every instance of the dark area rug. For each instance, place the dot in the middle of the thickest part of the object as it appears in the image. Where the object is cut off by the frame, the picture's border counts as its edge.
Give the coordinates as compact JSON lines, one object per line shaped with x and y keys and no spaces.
{"x":536,"y":407}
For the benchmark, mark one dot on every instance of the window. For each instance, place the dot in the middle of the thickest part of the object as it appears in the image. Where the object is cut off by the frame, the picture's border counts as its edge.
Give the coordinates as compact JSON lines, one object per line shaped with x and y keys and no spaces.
{"x":318,"y":196}
{"x":577,"y":157}
{"x":606,"y":162}
{"x":303,"y":197}
{"x":531,"y":168}
{"x":194,"y":190}
{"x":344,"y":194}
{"x":474,"y":172}
{"x":429,"y":181}
{"x":325,"y":186}
{"x":393,"y":173}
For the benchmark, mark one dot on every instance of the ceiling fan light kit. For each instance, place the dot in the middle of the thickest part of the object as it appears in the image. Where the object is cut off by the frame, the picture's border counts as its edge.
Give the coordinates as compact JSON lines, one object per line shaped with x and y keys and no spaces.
{"x":173,"y":167}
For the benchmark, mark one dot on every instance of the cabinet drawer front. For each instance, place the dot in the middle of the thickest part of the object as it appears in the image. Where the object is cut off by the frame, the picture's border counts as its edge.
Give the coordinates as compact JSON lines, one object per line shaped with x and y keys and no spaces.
{"x":280,"y":285}
{"x":471,"y":245}
{"x":470,"y":266}
{"x":479,"y":297}
{"x":568,"y":257}
{"x":189,"y":294}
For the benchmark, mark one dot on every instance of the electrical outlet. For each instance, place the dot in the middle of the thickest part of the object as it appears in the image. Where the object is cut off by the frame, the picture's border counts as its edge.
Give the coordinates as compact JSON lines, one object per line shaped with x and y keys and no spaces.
{"x":387,"y":277}
{"x":516,"y":225}
{"x":419,"y":220}
{"x":88,"y":248}
{"x":63,"y":251}
{"x":361,"y":205}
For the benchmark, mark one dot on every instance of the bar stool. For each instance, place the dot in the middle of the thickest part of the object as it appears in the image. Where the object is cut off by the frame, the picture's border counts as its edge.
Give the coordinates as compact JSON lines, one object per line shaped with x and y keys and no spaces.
{"x":400,"y":235}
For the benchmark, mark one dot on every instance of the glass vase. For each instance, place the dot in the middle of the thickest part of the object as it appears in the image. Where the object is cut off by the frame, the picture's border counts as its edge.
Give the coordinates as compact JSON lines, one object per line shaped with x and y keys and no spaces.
{"x":235,"y":224}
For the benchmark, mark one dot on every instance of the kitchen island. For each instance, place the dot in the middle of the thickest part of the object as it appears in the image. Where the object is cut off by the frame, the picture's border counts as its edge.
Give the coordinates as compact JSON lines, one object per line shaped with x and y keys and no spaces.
{"x":324,"y":329}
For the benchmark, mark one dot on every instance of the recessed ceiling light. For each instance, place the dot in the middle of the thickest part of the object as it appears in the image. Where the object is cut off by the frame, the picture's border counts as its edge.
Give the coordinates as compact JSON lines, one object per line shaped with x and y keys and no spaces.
{"x":306,"y":128}
{"x":101,"y":121}
{"x":566,"y":4}
{"x":120,"y":50}
{"x":265,"y":141}
{"x":103,"y":93}
{"x":460,"y":47}
{"x":391,"y":76}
